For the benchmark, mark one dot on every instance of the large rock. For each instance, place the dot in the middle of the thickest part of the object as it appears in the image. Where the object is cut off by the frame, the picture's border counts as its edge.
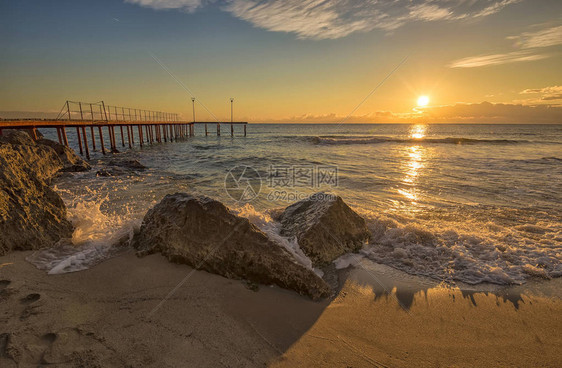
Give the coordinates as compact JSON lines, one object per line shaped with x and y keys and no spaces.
{"x":32,"y":215}
{"x":325,"y":227}
{"x":204,"y":234}
{"x":71,"y":161}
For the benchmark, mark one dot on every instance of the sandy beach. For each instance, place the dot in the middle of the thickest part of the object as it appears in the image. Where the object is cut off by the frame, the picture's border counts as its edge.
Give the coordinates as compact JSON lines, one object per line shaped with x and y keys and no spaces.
{"x":120,"y":313}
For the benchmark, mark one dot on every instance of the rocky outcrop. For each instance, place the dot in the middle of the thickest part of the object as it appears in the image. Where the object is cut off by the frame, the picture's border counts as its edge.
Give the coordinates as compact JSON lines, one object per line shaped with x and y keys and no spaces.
{"x":70,"y":160}
{"x":204,"y":234}
{"x":325,"y":227}
{"x":32,"y":215}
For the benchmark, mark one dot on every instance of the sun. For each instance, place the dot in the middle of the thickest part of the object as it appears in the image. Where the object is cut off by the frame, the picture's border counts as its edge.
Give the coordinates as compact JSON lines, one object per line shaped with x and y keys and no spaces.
{"x":423,"y":100}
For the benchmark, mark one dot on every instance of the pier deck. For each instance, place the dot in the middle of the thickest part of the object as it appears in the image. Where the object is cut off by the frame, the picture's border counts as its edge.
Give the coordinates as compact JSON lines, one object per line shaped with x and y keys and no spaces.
{"x":150,"y":126}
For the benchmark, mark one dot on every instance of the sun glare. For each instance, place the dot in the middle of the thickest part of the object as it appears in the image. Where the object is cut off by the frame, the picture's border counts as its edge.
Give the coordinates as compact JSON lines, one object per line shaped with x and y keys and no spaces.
{"x":423,"y":100}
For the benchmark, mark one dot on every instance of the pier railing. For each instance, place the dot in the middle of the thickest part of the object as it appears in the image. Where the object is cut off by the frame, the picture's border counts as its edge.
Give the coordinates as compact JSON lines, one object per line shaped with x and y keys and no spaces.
{"x":99,"y":111}
{"x":142,"y":126}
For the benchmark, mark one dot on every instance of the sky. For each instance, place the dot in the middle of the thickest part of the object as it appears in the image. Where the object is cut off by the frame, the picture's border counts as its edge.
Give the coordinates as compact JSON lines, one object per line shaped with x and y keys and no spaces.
{"x":478,"y":61}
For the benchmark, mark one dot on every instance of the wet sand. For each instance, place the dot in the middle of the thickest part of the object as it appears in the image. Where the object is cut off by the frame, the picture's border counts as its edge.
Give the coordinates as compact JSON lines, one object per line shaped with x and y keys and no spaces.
{"x":117,"y":314}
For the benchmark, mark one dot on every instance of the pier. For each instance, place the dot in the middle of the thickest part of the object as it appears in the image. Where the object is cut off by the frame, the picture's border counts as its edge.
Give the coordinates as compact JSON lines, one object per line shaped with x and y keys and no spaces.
{"x":136,"y":126}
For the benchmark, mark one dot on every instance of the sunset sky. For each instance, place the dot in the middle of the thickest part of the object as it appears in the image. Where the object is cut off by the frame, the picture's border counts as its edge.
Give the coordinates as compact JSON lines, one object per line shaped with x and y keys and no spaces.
{"x":294,"y":60}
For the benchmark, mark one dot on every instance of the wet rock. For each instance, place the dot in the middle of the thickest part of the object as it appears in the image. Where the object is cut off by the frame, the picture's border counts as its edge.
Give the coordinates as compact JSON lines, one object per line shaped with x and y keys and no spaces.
{"x":204,"y":234}
{"x":325,"y":227}
{"x":32,"y":215}
{"x":114,"y":171}
{"x":129,"y":164}
{"x":71,"y":161}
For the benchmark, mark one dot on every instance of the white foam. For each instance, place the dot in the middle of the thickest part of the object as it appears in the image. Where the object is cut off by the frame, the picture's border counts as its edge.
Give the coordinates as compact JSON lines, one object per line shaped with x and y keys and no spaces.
{"x":95,"y":236}
{"x":265,"y":223}
{"x":465,"y":251}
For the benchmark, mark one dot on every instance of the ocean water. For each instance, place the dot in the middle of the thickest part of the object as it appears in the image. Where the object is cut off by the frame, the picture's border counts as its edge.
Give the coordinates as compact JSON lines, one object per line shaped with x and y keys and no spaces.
{"x":468,"y":203}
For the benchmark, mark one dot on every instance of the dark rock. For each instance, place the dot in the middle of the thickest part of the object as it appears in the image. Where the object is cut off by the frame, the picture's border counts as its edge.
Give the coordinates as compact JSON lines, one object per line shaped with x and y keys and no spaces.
{"x":325,"y":227}
{"x":32,"y":215}
{"x":71,"y":161}
{"x":129,"y":164}
{"x":18,"y":137}
{"x":114,"y":171}
{"x":204,"y":234}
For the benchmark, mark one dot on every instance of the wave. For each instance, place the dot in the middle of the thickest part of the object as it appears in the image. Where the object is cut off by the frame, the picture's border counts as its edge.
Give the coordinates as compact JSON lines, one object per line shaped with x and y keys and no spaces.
{"x":494,"y":254}
{"x":98,"y":235}
{"x":342,"y":140}
{"x":497,"y":253}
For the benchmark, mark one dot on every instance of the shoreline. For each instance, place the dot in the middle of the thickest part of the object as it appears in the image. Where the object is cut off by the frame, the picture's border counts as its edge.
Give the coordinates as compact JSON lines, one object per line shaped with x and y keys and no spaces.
{"x":104,"y":316}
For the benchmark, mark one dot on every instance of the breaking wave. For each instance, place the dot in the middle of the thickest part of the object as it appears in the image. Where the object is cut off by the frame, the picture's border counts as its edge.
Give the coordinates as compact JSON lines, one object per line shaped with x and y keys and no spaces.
{"x":96,"y":236}
{"x":497,"y":253}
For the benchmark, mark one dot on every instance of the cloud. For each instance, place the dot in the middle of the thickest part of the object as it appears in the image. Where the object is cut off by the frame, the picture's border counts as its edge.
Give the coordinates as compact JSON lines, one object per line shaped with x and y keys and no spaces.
{"x":529,"y":42}
{"x":551,"y":93}
{"x":496,"y":59}
{"x":543,"y":38}
{"x":186,"y":5}
{"x":484,"y":112}
{"x":498,"y":113}
{"x":332,"y":19}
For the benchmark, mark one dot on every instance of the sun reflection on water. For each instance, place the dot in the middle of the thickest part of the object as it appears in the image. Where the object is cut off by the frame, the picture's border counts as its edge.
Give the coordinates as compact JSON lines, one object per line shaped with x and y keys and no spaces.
{"x":414,"y":164}
{"x":418,"y":131}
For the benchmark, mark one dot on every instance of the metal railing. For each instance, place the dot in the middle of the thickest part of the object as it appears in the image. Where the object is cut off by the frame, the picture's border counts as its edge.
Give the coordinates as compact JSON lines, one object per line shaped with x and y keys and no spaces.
{"x":99,"y":111}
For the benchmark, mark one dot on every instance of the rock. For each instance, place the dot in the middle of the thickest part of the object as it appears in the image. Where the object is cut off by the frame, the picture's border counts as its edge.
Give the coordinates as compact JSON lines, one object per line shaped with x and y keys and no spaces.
{"x":71,"y":161}
{"x":204,"y":234}
{"x":32,"y":215}
{"x":16,"y":137}
{"x":325,"y":227}
{"x":114,"y":171}
{"x":129,"y":164}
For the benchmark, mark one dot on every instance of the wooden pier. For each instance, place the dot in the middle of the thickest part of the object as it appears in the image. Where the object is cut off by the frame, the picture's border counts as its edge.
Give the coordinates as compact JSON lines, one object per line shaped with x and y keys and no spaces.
{"x":149,"y":126}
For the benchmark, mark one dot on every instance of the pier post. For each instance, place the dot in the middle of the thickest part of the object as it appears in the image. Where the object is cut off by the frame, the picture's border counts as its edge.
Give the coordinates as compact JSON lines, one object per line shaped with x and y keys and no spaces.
{"x":112,"y":138}
{"x":85,"y":142}
{"x":140,"y":135}
{"x":206,"y":129}
{"x":101,"y":140}
{"x":231,"y":130}
{"x":64,"y":137}
{"x":59,"y":135}
{"x":244,"y":130}
{"x":79,"y":140}
{"x":129,"y":135}
{"x":218,"y":129}
{"x":122,"y":138}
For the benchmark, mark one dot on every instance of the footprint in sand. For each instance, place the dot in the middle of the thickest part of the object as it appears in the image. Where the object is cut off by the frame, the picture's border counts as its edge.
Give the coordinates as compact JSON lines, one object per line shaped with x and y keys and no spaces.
{"x":30,"y":298}
{"x":29,"y":309}
{"x":4,"y":284}
{"x":5,"y":291}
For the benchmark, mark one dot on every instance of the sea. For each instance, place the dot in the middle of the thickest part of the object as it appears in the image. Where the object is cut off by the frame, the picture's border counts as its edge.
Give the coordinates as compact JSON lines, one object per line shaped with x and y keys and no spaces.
{"x":451,"y":202}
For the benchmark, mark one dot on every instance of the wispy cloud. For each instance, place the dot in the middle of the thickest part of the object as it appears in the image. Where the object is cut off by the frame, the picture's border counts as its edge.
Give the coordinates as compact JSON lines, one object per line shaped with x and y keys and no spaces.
{"x":331,"y":19}
{"x":531,"y":45}
{"x":185,"y":5}
{"x":496,"y":59}
{"x":543,"y":38}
